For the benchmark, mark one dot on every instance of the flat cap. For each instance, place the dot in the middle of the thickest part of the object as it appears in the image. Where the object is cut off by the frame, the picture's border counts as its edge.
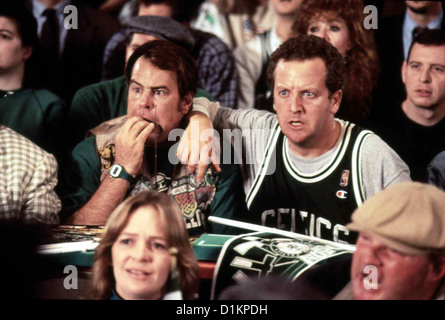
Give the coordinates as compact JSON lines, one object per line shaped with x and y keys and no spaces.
{"x":408,"y":217}
{"x":163,"y":28}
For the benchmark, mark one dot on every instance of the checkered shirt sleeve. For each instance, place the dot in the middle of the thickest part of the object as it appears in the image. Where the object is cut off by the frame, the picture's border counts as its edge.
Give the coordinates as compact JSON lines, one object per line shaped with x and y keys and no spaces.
{"x":217,"y":69}
{"x":29,"y":175}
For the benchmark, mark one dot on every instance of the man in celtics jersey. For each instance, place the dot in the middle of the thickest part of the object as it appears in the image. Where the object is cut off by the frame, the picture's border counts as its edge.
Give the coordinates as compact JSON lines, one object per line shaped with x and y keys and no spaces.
{"x":304,"y":170}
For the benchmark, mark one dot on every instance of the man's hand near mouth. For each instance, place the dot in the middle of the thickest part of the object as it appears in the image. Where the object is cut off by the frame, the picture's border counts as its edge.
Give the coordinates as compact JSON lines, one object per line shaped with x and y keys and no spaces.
{"x":130,"y":143}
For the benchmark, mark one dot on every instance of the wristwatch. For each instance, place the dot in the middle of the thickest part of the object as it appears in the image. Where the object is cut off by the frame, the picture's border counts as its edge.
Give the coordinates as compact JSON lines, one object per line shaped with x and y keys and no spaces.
{"x":117,"y":171}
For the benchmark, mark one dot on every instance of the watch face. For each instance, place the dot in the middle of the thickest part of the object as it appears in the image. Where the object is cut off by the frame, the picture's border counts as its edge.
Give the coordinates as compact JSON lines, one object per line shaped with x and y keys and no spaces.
{"x":115,"y":170}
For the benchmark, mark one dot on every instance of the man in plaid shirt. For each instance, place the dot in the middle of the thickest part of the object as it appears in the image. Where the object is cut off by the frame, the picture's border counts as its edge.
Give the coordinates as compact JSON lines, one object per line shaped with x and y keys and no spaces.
{"x":29,"y":175}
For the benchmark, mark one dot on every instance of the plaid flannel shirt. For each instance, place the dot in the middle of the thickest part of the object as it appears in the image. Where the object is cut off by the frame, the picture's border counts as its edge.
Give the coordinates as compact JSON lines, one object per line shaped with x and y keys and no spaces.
{"x":28,"y":178}
{"x":217,"y":68}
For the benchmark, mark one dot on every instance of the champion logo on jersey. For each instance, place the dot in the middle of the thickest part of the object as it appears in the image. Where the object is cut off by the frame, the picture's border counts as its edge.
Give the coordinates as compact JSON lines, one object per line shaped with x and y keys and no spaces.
{"x":344,"y":178}
{"x":342,"y":194}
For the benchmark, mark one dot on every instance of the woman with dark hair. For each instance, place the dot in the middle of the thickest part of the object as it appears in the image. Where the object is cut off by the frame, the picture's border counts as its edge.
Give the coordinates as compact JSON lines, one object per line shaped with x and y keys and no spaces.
{"x":37,"y":114}
{"x":133,"y":260}
{"x":341,"y":23}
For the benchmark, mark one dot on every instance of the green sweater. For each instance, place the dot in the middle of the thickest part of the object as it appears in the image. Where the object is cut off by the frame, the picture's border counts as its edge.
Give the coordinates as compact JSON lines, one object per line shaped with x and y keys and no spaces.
{"x":37,"y":115}
{"x":98,"y":103}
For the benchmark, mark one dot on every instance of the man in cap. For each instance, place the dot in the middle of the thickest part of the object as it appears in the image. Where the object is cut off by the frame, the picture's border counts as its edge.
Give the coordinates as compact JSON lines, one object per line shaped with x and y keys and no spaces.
{"x":402,"y":242}
{"x":400,"y":253}
{"x":216,"y":65}
{"x":106,"y":100}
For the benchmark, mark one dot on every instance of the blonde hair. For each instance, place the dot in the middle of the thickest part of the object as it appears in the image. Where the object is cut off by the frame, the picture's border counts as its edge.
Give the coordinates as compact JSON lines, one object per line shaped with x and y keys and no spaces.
{"x":103,"y":281}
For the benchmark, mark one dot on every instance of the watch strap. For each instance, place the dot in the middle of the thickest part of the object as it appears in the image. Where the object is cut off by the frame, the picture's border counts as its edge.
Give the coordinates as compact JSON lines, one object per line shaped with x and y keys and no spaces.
{"x":118,"y":171}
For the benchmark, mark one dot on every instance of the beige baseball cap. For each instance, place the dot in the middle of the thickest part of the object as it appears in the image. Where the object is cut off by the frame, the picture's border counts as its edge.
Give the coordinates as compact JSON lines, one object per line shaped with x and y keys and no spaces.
{"x":408,"y":217}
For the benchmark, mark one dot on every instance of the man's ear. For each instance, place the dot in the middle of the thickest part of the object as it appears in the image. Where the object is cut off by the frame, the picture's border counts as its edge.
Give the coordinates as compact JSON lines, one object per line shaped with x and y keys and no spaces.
{"x":186,"y":102}
{"x":335,"y":101}
{"x":404,"y":65}
{"x":437,"y":271}
{"x":27,"y":52}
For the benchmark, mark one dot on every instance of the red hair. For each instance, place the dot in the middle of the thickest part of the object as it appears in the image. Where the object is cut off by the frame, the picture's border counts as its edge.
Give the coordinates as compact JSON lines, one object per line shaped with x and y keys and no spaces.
{"x":362,"y":63}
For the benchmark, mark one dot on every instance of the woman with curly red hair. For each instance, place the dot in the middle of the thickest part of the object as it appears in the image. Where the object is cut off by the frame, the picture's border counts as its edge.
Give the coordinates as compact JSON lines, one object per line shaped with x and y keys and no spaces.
{"x":341,"y":23}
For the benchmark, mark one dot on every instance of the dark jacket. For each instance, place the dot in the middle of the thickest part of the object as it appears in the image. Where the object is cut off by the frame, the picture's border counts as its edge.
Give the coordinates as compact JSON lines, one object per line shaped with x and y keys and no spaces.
{"x":81,"y":61}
